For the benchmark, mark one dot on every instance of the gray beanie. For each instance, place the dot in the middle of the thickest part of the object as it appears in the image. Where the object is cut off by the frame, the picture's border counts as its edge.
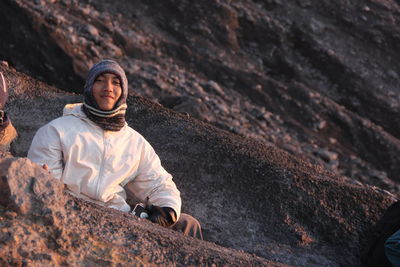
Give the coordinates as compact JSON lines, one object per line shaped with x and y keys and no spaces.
{"x":105,"y":66}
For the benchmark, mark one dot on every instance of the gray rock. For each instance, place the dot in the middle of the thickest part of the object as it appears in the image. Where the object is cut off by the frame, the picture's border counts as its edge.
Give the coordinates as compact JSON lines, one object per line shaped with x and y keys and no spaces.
{"x":92,"y":31}
{"x":194,"y":107}
{"x":327,"y":155}
{"x":212,"y":85}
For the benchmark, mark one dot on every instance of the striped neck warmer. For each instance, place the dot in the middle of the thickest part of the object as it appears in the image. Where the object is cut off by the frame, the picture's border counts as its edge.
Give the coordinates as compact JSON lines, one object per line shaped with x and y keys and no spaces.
{"x":109,"y":120}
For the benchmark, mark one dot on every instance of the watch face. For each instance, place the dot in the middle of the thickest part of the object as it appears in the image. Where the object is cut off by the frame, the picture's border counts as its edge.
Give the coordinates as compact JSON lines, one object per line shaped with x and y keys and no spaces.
{"x":140,"y":211}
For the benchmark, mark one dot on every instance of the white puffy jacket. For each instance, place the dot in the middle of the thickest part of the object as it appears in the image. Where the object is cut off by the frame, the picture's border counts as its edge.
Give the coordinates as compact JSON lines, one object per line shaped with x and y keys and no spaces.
{"x":97,"y":164}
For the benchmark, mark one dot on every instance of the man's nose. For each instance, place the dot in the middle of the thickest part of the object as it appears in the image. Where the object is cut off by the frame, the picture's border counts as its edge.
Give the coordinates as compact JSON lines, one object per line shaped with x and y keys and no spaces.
{"x":108,"y":86}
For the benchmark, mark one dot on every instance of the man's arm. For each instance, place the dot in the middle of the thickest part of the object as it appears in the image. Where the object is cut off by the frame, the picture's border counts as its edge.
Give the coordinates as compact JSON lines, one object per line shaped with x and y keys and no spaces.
{"x":46,"y":150}
{"x":155,"y":183}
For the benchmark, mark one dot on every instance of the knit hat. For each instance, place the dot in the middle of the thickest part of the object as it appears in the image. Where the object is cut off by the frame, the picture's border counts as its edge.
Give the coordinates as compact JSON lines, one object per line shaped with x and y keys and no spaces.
{"x":105,"y":66}
{"x":109,"y":120}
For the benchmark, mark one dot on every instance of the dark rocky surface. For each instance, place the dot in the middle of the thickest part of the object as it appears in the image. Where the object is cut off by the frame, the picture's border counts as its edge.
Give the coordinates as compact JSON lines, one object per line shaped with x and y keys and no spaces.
{"x":247,"y":195}
{"x":317,"y":79}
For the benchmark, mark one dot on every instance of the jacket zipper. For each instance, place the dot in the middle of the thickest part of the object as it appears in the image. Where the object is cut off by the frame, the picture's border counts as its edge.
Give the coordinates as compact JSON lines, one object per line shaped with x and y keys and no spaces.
{"x":101,"y":166}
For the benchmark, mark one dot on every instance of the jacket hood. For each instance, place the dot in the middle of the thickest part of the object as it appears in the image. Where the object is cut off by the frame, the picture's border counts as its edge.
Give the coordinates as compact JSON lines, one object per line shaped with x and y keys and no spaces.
{"x":75,"y":110}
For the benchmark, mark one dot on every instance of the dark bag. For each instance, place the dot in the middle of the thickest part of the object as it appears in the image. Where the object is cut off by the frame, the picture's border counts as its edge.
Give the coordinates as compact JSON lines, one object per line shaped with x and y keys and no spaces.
{"x":386,"y":226}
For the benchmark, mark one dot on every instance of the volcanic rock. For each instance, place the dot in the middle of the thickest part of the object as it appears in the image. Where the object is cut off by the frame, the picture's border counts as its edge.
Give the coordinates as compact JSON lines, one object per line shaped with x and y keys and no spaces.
{"x":247,"y":195}
{"x":42,"y":225}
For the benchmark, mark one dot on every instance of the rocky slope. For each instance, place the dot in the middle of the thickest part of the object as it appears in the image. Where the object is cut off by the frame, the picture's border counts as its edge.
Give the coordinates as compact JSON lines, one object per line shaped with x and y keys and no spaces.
{"x":42,"y":226}
{"x":248,"y":196}
{"x":318,"y":79}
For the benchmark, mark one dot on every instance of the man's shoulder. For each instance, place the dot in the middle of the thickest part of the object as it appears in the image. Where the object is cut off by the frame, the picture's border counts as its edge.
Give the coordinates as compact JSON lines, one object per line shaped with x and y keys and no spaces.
{"x":132,"y":131}
{"x":135,"y":134}
{"x":63,"y":122}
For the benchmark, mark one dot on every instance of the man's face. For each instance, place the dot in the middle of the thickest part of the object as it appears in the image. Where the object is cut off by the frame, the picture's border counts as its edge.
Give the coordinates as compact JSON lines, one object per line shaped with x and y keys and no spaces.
{"x":106,"y":90}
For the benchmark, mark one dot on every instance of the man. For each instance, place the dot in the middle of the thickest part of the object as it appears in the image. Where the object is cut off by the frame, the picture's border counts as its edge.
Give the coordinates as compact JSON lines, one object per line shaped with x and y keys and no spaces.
{"x":101,"y":159}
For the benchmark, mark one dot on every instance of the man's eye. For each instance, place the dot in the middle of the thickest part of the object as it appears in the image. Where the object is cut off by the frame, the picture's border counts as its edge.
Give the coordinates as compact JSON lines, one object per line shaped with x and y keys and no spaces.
{"x":116,"y":83}
{"x":99,"y":80}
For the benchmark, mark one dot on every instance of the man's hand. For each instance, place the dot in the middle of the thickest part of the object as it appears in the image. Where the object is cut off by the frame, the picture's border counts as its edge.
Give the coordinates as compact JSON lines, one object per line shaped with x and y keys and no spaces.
{"x":163,"y":216}
{"x":3,"y":91}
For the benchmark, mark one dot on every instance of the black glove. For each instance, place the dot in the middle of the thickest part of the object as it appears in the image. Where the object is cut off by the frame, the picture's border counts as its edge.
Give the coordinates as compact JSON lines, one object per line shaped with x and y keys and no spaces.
{"x":163,"y":216}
